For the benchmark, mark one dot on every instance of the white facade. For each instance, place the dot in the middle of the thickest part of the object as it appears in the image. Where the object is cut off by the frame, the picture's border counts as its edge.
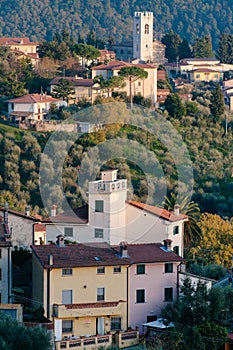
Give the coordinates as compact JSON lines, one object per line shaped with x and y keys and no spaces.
{"x":143,"y":36}
{"x":113,"y":219}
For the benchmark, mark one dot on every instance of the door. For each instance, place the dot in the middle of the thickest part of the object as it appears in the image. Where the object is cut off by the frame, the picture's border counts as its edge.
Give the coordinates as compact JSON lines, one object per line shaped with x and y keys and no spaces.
{"x":100,"y":325}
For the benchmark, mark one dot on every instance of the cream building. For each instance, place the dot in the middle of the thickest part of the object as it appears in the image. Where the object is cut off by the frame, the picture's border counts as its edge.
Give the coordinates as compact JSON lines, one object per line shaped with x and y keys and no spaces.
{"x":82,"y":287}
{"x":143,"y":36}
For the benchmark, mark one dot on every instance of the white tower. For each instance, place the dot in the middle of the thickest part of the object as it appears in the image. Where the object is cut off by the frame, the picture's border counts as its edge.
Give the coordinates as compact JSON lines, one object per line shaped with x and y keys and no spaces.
{"x":107,"y":202}
{"x":143,"y":36}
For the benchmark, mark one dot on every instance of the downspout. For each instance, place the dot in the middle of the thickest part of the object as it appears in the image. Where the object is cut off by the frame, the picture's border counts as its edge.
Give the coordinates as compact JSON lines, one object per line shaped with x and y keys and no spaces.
{"x":127,"y":297}
{"x":9,"y":275}
{"x":177,"y":280}
{"x":48,"y":293}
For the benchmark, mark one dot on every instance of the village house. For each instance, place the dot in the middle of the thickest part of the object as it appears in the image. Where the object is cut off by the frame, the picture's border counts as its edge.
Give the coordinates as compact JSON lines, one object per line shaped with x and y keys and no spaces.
{"x":32,"y":108}
{"x":83,"y":289}
{"x":22,"y":47}
{"x":110,"y":217}
{"x":144,"y":87}
{"x":5,"y":262}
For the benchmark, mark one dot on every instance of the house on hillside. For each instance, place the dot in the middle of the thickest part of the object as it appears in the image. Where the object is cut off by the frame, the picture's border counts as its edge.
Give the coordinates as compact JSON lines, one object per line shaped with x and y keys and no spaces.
{"x":32,"y":108}
{"x":22,"y":47}
{"x":83,"y":289}
{"x":21,"y":226}
{"x":110,"y":217}
{"x":83,"y":88}
{"x":5,"y":262}
{"x":144,"y":87}
{"x":204,"y":74}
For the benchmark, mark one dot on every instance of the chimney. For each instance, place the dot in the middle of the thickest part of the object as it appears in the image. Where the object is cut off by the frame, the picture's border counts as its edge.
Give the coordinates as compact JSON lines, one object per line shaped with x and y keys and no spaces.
{"x":27,"y":210}
{"x":124,"y":249}
{"x":50,"y":260}
{"x":60,"y":241}
{"x":167,"y":244}
{"x":53,"y":210}
{"x":5,"y":213}
{"x":177,"y":209}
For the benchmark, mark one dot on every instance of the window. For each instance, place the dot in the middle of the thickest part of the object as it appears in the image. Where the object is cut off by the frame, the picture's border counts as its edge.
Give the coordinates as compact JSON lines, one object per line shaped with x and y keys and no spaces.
{"x":99,"y":206}
{"x":99,"y":233}
{"x":197,"y":75}
{"x":115,"y":323}
{"x":0,"y":274}
{"x":117,"y":269}
{"x":176,"y":250}
{"x":176,"y":230}
{"x":140,"y":269}
{"x":67,"y":272}
{"x":146,"y":28}
{"x":67,"y":296}
{"x":137,"y":28}
{"x":68,"y":231}
{"x":139,"y":83}
{"x":100,"y":294}
{"x":100,"y":270}
{"x":0,"y":253}
{"x":168,"y":267}
{"x":67,"y":326}
{"x":140,"y":296}
{"x":168,"y":294}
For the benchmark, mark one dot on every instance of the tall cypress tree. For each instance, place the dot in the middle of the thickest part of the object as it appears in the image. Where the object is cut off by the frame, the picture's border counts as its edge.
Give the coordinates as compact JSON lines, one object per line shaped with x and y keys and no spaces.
{"x":217,"y":103}
{"x":203,"y":47}
{"x":225,"y":48}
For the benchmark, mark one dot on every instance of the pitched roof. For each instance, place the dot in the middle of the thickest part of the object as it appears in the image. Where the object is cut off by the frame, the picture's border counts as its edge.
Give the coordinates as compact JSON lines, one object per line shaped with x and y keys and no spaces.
{"x":39,"y":228}
{"x":160,"y":212}
{"x":205,"y":70}
{"x":17,"y":41}
{"x":79,"y":255}
{"x":116,"y":65}
{"x":76,"y":216}
{"x":21,"y":214}
{"x":150,"y":253}
{"x":74,"y":81}
{"x":34,"y":98}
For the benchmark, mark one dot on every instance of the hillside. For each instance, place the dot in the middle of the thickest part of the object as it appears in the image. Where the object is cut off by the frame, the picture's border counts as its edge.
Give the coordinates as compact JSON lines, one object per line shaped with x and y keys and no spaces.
{"x":41,"y":19}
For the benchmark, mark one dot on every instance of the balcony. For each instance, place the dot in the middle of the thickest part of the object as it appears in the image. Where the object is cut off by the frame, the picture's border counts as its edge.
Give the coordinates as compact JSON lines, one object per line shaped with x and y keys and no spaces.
{"x":87,"y":343}
{"x":122,"y":340}
{"x":97,"y":309}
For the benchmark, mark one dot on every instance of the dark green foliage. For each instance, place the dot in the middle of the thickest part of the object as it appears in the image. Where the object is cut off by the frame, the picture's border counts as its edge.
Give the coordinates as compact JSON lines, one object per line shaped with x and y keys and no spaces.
{"x":174,"y":106}
{"x":202,"y":47}
{"x":198,"y":316}
{"x":14,"y":335}
{"x":225,"y":48}
{"x":172,"y":42}
{"x":212,"y":271}
{"x":185,"y":50}
{"x":217,"y":103}
{"x":64,"y":89}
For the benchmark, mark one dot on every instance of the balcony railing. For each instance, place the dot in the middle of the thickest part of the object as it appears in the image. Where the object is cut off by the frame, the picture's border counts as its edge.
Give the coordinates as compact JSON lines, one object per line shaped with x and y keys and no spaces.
{"x":85,"y":342}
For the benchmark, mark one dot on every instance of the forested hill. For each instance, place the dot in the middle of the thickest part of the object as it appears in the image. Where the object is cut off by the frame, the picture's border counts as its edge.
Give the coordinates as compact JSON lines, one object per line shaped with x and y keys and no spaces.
{"x":40,"y":19}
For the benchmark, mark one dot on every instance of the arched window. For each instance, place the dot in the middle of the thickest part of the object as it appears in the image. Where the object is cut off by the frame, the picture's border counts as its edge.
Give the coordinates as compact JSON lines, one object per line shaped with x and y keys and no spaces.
{"x":146,"y":28}
{"x":137,"y":28}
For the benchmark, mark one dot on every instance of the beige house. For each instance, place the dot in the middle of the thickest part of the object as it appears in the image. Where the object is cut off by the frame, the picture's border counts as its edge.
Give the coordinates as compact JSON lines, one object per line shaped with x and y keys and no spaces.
{"x":83,"y":289}
{"x":22,"y":47}
{"x":144,"y":87}
{"x":204,"y":74}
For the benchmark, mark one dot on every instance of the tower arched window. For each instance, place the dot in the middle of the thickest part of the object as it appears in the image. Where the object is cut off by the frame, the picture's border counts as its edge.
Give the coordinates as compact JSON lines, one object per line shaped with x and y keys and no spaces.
{"x":146,"y":28}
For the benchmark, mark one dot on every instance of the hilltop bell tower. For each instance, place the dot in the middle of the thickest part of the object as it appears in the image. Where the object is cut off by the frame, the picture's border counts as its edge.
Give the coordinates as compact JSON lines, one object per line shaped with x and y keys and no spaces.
{"x":143,"y":36}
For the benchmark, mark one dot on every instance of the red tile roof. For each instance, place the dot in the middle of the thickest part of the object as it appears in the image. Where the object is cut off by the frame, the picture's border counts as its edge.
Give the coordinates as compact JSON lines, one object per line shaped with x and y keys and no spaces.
{"x":116,"y":65}
{"x":205,"y":70}
{"x":17,"y":41}
{"x":150,"y":253}
{"x":79,"y":255}
{"x":74,"y":81}
{"x":93,"y":305}
{"x":76,"y":216}
{"x":161,"y":212}
{"x":39,"y":228}
{"x":23,"y":215}
{"x":33,"y":98}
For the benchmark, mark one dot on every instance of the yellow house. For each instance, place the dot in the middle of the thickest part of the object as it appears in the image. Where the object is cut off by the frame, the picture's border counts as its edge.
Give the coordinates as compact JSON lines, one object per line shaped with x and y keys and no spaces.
{"x":82,"y":287}
{"x":204,"y":74}
{"x":22,"y":47}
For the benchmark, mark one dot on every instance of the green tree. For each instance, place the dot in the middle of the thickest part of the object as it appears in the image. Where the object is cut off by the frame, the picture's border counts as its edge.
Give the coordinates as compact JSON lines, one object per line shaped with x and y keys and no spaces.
{"x":132,"y":74}
{"x":64,"y":89}
{"x":184,"y":50}
{"x":192,"y":230}
{"x":225,"y":48}
{"x":202,"y":47}
{"x":174,"y":106}
{"x":217,"y":105}
{"x":86,"y":52}
{"x":109,"y":85}
{"x":172,"y":42}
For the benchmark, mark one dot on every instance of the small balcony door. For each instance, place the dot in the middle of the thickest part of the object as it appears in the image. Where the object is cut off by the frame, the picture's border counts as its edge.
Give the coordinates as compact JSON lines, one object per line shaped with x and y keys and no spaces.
{"x":100,"y":325}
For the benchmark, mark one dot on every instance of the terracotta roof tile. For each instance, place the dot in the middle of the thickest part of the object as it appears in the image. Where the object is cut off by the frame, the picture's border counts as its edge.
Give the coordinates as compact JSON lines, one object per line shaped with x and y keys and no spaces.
{"x":93,"y":305}
{"x":33,"y":98}
{"x":74,"y":81}
{"x":150,"y":253}
{"x":161,"y":212}
{"x":39,"y":228}
{"x":79,"y":255}
{"x":76,"y":216}
{"x":17,"y":41}
{"x":23,"y":215}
